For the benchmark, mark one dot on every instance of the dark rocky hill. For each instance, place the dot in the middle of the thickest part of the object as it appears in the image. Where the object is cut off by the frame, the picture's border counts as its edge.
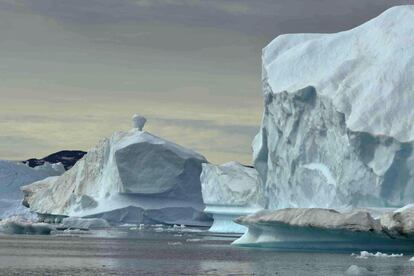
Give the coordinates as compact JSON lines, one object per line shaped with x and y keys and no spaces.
{"x":67,"y":157}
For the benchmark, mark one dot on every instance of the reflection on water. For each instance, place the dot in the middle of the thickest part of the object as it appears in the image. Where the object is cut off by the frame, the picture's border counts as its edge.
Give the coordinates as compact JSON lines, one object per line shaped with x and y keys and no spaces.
{"x":170,"y":252}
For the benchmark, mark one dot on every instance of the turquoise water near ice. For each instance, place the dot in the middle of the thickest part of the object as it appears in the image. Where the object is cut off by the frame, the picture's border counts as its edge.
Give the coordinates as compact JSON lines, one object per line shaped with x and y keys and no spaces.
{"x":160,"y":251}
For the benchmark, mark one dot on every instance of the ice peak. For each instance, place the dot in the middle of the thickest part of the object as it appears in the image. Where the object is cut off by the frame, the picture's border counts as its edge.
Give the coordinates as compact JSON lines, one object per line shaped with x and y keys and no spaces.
{"x":138,"y":121}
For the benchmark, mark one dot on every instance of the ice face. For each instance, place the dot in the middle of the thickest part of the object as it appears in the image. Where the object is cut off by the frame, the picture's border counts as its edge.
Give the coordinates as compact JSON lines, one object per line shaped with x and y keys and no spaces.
{"x":131,"y":169}
{"x":13,"y":175}
{"x":337,"y":128}
{"x":229,"y":191}
{"x":359,"y":70}
{"x":231,"y":184}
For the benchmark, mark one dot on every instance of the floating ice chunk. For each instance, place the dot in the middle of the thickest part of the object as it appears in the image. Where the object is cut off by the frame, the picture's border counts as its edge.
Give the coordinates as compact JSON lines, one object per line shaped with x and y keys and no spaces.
{"x":175,"y":243}
{"x":321,"y":229}
{"x":366,"y":255}
{"x":71,"y":232}
{"x":17,"y":225}
{"x":84,"y":223}
{"x":128,"y":225}
{"x":315,"y":218}
{"x":355,"y":270}
{"x":399,"y":222}
{"x":193,"y":240}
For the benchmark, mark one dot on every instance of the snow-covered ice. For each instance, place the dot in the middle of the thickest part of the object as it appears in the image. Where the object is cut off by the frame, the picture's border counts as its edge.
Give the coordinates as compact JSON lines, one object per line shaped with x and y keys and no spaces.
{"x":337,"y":127}
{"x":229,"y":191}
{"x":131,"y":175}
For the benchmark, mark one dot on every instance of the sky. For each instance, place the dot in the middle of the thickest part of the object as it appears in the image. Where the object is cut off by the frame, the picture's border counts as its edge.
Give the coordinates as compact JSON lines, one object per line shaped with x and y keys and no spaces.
{"x":74,"y":71}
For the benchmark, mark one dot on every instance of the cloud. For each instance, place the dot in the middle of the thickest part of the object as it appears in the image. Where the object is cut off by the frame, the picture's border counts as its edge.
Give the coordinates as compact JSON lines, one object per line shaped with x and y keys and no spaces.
{"x":231,"y":6}
{"x":12,"y":146}
{"x":74,"y":71}
{"x":195,"y":124}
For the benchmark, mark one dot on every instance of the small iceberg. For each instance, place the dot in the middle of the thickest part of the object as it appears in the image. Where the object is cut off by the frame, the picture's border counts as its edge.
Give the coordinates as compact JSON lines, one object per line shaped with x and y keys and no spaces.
{"x":327,"y":230}
{"x":355,"y":270}
{"x":19,"y":226}
{"x":366,"y":255}
{"x":84,"y":223}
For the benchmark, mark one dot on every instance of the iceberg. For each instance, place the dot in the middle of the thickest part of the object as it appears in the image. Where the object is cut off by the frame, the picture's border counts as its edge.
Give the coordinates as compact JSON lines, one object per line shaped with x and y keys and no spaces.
{"x":366,"y":255}
{"x":337,"y":127}
{"x":135,"y":175}
{"x":324,"y":230}
{"x":229,"y":191}
{"x":355,"y":270}
{"x":13,"y":175}
{"x":399,"y":222}
{"x":16,"y":225}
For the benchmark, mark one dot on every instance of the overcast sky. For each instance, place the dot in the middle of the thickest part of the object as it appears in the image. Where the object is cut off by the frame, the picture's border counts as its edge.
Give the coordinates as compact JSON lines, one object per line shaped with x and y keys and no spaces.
{"x":74,"y":71}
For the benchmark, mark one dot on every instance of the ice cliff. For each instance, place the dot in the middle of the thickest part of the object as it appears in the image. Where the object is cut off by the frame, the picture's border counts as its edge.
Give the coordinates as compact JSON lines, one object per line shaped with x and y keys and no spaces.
{"x":13,"y":175}
{"x":337,"y":129}
{"x":229,"y":191}
{"x":132,"y":177}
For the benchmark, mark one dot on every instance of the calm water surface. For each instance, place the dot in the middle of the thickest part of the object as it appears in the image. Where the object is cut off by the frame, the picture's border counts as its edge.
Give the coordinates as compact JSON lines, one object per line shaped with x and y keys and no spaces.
{"x":178,"y":252}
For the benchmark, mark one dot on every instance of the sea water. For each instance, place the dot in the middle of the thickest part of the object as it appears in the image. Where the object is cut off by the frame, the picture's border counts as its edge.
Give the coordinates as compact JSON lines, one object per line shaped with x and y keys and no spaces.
{"x":172,"y":251}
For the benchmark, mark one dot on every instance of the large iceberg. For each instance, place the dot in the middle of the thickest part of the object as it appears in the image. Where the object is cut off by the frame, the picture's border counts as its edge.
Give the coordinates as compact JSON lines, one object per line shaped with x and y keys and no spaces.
{"x":135,"y":173}
{"x":229,"y":191}
{"x":327,"y":229}
{"x":337,"y":129}
{"x":13,"y":175}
